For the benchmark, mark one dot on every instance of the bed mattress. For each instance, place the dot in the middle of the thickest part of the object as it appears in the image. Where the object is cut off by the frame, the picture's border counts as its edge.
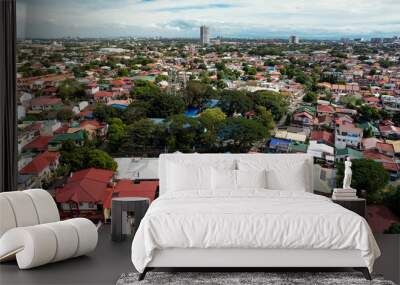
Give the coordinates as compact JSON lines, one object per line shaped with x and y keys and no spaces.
{"x":250,"y":219}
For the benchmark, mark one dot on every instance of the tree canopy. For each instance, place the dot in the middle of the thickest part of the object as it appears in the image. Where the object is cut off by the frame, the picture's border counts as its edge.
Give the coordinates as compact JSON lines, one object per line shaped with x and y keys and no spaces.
{"x":240,"y":134}
{"x":368,"y":175}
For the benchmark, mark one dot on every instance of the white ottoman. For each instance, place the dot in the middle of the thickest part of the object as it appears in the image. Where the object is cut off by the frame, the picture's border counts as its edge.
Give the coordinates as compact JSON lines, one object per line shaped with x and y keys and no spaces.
{"x":31,"y":231}
{"x":41,"y":244}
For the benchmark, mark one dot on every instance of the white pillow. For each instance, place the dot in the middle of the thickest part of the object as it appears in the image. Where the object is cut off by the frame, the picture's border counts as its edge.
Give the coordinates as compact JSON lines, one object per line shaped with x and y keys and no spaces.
{"x":251,"y":178}
{"x":292,"y":179}
{"x":224,"y":179}
{"x":188,"y":177}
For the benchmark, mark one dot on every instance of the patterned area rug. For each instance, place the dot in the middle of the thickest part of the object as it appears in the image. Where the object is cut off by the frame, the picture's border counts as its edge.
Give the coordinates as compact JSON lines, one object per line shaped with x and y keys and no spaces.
{"x":243,"y":278}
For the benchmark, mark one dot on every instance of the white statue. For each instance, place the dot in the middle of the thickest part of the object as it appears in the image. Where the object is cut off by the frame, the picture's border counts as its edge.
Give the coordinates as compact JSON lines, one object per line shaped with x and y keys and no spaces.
{"x":347,"y":174}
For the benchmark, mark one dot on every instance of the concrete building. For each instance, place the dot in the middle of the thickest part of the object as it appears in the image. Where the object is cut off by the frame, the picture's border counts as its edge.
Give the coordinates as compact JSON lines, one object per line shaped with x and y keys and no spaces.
{"x":348,"y":136}
{"x":294,"y":40}
{"x":204,"y":35}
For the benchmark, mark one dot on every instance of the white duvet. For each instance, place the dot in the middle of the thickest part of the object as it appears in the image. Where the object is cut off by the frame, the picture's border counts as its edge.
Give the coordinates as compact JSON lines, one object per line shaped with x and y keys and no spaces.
{"x":256,"y":218}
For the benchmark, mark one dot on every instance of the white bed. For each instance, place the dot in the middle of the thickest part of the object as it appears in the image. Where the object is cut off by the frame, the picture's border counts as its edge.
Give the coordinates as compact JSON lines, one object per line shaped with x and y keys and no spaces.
{"x":230,"y":226}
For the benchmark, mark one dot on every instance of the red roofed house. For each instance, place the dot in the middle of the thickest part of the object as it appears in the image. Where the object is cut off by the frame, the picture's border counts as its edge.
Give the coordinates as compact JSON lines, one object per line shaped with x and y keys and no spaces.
{"x":117,"y":83}
{"x":103,"y":96}
{"x":129,"y":188}
{"x":91,"y":88}
{"x":389,"y":163}
{"x":38,"y":144}
{"x":45,"y":103}
{"x":304,"y":118}
{"x":323,"y":136}
{"x":389,"y":131}
{"x":93,"y":126}
{"x":325,"y":110}
{"x":385,"y":148}
{"x":42,"y":165}
{"x":85,"y":192}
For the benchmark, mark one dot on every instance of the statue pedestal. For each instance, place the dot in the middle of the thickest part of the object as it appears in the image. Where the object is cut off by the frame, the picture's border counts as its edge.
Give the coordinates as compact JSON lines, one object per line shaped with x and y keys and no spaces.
{"x":344,"y":194}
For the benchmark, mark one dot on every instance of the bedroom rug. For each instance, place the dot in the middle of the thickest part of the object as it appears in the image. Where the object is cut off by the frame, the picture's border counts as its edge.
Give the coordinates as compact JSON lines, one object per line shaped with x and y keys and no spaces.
{"x":244,"y":278}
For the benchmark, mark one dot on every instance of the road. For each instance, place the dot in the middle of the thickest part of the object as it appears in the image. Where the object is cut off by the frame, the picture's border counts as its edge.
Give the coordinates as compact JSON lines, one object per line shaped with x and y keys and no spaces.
{"x":294,"y":103}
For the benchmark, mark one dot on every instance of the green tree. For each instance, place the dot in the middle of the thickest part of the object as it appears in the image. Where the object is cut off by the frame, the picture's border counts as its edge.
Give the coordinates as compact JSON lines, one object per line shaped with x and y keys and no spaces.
{"x":368,"y":175}
{"x":143,"y":88}
{"x":100,"y":159}
{"x":116,"y":132}
{"x":211,"y":119}
{"x":143,"y":136}
{"x":65,"y":114}
{"x":234,"y":101}
{"x":122,"y":72}
{"x":393,"y":229}
{"x":183,"y":133}
{"x":103,"y":113}
{"x":369,"y":114}
{"x":272,"y":101}
{"x":197,"y":94}
{"x":391,"y":199}
{"x":160,"y":78}
{"x":310,"y":97}
{"x":239,"y":134}
{"x":266,"y":118}
{"x":71,"y":89}
{"x":87,"y":156}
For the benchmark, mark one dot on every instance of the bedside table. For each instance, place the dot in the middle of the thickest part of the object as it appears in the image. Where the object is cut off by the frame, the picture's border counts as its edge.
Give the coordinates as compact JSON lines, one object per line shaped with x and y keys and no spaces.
{"x":357,"y":205}
{"x":126,"y":214}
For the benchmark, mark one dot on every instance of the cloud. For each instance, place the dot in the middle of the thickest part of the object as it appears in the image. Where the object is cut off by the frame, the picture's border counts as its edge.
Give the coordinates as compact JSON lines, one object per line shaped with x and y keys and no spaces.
{"x":235,"y":18}
{"x":197,"y":7}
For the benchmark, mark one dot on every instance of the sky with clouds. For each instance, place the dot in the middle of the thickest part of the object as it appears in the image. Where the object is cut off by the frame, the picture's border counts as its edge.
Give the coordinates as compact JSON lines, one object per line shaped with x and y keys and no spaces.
{"x":234,"y":18}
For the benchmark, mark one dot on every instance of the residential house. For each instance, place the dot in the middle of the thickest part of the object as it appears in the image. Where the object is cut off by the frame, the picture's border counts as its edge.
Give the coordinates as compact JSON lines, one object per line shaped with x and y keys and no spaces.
{"x":388,"y":162}
{"x":78,"y":138}
{"x":342,"y":154}
{"x":291,"y":136}
{"x":304,"y":119}
{"x":321,"y":152}
{"x":396,"y":145}
{"x":42,"y":165}
{"x":91,"y":89}
{"x":279,"y":145}
{"x":39,"y":144}
{"x":49,"y":127}
{"x":369,"y":143}
{"x":305,"y":116}
{"x":297,"y":147}
{"x":348,"y":136}
{"x":389,"y":131}
{"x":46,"y":103}
{"x":323,"y":110}
{"x":103,"y":96}
{"x":129,"y":188}
{"x":343,"y":120}
{"x":323,"y":137}
{"x":84,"y":193}
{"x":385,"y":148}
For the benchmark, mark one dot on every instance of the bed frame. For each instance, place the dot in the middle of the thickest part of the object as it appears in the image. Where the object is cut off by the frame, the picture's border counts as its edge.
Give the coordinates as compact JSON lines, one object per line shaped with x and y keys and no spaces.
{"x":250,"y":259}
{"x":242,"y":259}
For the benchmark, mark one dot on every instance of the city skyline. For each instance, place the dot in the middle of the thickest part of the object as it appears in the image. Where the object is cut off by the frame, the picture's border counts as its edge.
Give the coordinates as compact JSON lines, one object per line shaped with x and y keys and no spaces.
{"x":237,"y":19}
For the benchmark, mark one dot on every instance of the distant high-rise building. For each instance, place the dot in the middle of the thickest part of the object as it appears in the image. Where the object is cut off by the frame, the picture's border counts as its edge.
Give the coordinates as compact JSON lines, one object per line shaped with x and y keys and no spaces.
{"x":204,"y":36}
{"x":294,"y":40}
{"x":376,"y":40}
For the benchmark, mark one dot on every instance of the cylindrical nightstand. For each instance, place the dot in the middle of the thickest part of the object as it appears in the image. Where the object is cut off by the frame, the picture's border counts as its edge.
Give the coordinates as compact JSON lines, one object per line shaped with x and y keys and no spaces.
{"x":126,"y":214}
{"x":357,"y":205}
